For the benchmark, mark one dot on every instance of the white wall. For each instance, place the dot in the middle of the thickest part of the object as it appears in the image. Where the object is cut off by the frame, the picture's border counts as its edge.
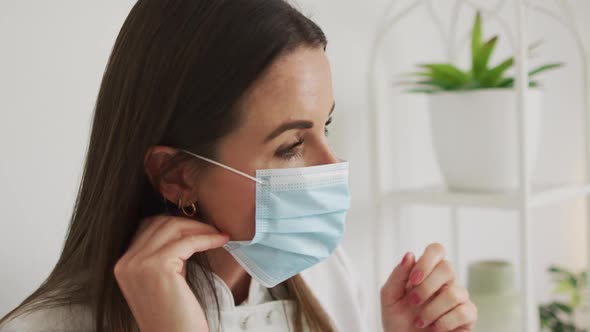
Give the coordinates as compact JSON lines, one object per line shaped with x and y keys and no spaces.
{"x":52,"y":55}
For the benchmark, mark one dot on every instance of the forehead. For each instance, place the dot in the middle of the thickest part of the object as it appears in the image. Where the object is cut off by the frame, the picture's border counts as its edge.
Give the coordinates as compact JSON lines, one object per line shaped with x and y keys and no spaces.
{"x":296,"y":86}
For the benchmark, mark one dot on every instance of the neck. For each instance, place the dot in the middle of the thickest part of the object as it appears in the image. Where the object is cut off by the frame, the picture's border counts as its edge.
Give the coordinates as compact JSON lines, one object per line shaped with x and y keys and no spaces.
{"x":231,"y":272}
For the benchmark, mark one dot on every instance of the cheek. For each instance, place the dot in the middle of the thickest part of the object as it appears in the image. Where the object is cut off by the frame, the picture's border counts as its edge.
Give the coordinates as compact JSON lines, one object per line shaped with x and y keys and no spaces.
{"x":229,"y":202}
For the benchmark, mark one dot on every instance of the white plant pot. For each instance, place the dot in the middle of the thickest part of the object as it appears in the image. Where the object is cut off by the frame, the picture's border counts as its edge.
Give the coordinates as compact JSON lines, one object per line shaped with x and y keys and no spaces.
{"x":475,"y":137}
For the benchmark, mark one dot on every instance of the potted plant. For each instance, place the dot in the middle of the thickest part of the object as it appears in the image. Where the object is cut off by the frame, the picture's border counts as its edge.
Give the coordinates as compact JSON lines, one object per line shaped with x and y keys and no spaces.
{"x":474,"y":117}
{"x":567,"y":313}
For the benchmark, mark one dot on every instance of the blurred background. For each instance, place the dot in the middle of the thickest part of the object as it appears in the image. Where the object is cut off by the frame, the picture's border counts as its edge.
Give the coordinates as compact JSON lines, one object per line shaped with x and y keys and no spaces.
{"x":52,"y":57}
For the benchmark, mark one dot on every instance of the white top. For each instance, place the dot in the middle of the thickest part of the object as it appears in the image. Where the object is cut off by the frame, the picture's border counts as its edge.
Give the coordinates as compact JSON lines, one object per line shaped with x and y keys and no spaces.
{"x":331,"y":281}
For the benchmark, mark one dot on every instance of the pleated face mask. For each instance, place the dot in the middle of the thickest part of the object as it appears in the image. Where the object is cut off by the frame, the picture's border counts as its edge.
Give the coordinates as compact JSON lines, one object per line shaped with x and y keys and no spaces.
{"x":300,"y":218}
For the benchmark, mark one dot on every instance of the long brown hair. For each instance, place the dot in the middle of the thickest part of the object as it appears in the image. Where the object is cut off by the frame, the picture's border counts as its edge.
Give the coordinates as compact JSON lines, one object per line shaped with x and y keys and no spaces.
{"x":176,"y":74}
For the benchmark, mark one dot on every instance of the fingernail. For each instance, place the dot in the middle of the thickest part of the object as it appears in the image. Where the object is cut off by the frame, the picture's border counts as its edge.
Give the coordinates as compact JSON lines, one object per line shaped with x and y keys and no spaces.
{"x":419,"y":323}
{"x":405,"y":259}
{"x":414,"y":299}
{"x":416,"y":277}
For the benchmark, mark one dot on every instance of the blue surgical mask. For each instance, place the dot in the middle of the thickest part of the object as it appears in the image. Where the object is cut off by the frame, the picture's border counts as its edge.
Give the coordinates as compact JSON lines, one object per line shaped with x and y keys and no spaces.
{"x":300,"y":218}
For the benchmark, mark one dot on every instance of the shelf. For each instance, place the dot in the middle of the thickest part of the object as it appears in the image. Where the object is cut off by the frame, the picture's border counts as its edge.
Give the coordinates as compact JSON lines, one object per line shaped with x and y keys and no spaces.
{"x":439,"y":196}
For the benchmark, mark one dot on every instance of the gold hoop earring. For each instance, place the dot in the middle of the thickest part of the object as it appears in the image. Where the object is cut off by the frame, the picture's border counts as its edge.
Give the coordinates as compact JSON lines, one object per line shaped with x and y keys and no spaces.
{"x":193,"y":210}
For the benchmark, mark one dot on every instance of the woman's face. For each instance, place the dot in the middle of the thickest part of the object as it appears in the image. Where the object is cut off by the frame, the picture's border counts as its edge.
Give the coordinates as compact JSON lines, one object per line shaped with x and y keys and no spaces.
{"x":283,"y":124}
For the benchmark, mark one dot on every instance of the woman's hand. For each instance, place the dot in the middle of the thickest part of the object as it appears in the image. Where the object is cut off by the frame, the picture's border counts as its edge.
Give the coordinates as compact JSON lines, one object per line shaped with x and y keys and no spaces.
{"x":151,"y":274}
{"x":423,"y":296}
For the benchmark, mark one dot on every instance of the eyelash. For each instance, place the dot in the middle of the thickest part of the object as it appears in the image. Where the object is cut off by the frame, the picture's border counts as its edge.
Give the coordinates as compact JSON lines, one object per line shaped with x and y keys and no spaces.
{"x":290,"y":152}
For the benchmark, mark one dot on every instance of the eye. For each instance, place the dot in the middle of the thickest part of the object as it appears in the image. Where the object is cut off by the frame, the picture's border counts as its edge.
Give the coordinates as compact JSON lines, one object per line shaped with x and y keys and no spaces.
{"x":292,"y":151}
{"x":326,"y":131}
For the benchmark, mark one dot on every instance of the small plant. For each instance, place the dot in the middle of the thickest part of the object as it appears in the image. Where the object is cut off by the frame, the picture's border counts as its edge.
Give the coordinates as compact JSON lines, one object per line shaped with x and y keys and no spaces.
{"x":558,"y":316}
{"x":437,"y":77}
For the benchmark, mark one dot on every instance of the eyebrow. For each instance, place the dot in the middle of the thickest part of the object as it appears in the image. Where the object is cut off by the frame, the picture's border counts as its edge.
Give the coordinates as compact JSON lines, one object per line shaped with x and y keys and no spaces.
{"x":299,"y":124}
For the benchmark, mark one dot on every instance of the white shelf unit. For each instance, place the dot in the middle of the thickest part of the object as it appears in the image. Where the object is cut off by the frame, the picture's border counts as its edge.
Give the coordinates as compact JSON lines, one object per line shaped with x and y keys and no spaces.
{"x":527,"y":196}
{"x":437,"y":195}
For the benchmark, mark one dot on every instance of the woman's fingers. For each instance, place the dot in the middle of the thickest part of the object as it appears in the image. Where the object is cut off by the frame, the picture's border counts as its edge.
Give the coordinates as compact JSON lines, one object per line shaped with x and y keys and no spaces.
{"x":449,"y":298}
{"x":148,"y":238}
{"x":461,"y":318}
{"x":145,"y":230}
{"x":154,"y":278}
{"x":433,"y":255}
{"x":443,"y":274}
{"x":393,"y":289}
{"x":174,"y":229}
{"x":177,"y":252}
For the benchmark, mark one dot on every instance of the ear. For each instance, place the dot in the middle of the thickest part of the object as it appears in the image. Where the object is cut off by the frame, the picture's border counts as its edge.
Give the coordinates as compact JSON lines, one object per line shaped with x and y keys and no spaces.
{"x":173,"y":184}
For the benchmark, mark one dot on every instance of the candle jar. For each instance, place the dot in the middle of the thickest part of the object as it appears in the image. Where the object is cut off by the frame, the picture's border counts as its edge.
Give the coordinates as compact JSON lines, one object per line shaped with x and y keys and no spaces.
{"x":492,"y":289}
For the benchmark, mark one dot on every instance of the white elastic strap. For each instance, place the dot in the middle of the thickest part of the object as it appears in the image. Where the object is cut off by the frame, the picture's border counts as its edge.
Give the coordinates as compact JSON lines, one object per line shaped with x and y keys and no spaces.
{"x":224,"y":166}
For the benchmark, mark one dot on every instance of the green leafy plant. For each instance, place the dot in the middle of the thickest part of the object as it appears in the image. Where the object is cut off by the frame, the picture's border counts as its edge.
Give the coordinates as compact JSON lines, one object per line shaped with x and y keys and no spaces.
{"x":437,"y":77}
{"x":558,"y":316}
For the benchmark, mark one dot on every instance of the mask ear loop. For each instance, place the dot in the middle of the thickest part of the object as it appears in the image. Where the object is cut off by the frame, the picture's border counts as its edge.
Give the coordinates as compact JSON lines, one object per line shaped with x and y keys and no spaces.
{"x":223,"y":166}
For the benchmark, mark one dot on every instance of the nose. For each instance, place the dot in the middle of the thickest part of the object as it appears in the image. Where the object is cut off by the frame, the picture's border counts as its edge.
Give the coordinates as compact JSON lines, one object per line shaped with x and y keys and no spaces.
{"x":326,"y":155}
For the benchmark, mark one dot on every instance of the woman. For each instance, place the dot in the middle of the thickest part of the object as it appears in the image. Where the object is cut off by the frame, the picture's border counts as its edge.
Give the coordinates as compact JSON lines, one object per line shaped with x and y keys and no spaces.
{"x":210,"y":199}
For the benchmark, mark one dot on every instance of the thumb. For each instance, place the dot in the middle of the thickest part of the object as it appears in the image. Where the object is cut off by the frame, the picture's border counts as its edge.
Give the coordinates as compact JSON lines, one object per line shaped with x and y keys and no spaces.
{"x":395,"y":286}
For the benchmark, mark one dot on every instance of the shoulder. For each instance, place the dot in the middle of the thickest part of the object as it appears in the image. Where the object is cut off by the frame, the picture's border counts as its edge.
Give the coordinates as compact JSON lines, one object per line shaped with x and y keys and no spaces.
{"x":335,"y":271}
{"x":60,"y":318}
{"x":337,"y":287}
